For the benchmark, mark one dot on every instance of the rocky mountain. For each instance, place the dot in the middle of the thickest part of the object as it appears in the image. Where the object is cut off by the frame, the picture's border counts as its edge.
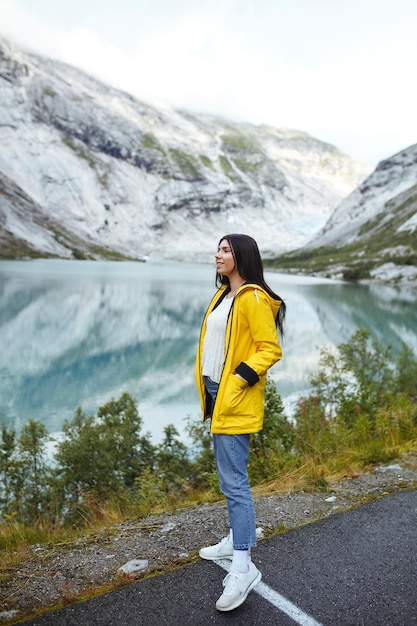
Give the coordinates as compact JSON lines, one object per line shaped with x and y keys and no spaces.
{"x":376,"y":202}
{"x":372,"y":233}
{"x":87,"y":171}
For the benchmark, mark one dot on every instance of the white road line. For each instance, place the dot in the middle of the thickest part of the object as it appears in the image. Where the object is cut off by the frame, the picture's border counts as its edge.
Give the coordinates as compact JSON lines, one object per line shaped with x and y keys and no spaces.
{"x":277,"y":600}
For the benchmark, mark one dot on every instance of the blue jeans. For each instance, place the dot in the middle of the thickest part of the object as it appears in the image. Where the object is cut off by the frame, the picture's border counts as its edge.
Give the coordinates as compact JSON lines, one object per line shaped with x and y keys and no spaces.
{"x":232,"y":453}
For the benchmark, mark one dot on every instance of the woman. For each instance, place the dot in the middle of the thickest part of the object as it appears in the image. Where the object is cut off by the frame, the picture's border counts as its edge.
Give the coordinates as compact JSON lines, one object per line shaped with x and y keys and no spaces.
{"x":238,"y":344}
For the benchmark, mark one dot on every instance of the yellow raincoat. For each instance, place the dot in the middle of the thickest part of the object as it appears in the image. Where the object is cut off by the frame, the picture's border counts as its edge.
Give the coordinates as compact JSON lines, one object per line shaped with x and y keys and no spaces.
{"x":251,"y":348}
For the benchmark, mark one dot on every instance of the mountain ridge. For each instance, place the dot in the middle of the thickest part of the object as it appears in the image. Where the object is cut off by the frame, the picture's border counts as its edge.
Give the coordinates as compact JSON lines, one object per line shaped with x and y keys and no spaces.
{"x":392,"y":177}
{"x":88,"y":171}
{"x":371,"y":234}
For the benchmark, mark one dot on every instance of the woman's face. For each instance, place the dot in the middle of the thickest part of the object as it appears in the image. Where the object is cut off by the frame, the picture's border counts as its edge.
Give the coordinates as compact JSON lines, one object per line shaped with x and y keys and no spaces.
{"x":225,"y":262}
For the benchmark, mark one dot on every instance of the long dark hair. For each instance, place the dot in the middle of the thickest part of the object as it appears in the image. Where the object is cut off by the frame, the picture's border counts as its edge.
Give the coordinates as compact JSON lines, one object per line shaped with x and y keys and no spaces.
{"x":250,"y":267}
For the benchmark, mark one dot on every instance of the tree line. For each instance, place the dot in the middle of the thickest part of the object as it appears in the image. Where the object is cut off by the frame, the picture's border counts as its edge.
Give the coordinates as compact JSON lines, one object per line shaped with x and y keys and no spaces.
{"x":361,"y":409}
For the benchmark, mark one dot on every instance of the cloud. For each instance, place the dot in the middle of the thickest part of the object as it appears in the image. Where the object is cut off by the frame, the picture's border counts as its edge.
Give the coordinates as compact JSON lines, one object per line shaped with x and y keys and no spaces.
{"x":342,"y":73}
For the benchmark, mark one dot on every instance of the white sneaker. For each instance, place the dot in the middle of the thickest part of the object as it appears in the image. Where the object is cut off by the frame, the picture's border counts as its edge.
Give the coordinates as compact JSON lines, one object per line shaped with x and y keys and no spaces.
{"x":236,"y":588}
{"x":222,"y":550}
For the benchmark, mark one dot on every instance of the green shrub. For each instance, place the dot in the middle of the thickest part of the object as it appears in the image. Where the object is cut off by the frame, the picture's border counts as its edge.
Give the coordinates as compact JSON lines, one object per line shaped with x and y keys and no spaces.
{"x":362,"y":409}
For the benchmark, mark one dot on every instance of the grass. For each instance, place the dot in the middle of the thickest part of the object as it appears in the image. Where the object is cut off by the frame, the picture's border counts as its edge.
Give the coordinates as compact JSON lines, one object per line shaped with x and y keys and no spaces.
{"x":373,"y":422}
{"x":349,"y":260}
{"x":245,"y":152}
{"x":150,"y":142}
{"x":311,"y":477}
{"x":206,"y":161}
{"x":313,"y":472}
{"x":226,"y":166}
{"x":15,"y":248}
{"x":237,"y":143}
{"x":187,"y":164}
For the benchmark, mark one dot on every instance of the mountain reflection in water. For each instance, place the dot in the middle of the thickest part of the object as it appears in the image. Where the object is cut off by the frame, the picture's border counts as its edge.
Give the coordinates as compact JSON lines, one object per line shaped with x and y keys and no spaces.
{"x":76,"y":333}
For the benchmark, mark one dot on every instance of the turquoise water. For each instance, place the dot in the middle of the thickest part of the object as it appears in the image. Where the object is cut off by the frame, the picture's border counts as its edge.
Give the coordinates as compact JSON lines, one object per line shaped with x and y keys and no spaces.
{"x":76,"y":333}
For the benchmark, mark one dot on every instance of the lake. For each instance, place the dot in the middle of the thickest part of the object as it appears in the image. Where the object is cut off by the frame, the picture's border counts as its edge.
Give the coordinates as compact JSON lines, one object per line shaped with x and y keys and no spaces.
{"x":77,"y":333}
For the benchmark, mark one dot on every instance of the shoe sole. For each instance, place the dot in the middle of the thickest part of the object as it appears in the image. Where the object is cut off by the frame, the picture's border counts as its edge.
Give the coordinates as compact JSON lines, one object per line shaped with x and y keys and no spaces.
{"x":216,"y":558}
{"x":241,"y":600}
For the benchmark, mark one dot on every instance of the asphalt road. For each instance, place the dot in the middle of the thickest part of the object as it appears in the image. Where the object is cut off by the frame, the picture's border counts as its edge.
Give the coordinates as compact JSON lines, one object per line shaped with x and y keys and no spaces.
{"x":357,"y":568}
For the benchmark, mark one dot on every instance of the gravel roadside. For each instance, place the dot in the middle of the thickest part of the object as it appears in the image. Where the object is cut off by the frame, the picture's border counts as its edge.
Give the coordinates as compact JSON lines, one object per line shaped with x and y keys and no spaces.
{"x":60,"y":574}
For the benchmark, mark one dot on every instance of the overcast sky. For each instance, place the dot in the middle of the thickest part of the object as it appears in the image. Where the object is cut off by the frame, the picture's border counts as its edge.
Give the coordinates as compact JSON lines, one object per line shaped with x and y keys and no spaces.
{"x":342,"y":70}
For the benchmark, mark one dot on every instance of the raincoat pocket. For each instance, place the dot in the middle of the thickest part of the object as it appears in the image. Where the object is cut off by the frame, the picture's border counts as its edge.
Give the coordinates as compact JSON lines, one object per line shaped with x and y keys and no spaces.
{"x":237,"y":398}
